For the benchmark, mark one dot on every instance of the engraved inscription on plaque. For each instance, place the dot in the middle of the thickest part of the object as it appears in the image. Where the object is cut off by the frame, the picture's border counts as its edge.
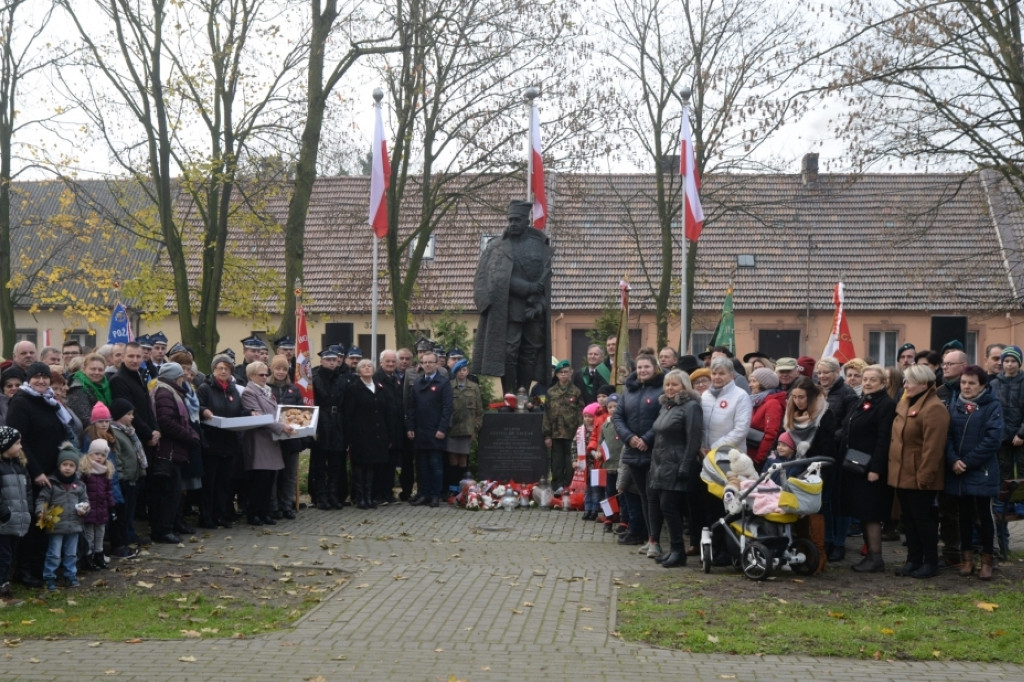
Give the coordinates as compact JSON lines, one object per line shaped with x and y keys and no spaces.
{"x":512,"y":447}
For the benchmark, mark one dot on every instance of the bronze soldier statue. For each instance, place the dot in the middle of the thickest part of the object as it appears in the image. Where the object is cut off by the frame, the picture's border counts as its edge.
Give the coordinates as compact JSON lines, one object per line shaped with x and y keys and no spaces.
{"x":512,"y":291}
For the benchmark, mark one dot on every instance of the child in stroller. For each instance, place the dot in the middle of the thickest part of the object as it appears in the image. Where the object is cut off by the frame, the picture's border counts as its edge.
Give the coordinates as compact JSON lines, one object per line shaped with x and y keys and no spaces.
{"x":757,"y":524}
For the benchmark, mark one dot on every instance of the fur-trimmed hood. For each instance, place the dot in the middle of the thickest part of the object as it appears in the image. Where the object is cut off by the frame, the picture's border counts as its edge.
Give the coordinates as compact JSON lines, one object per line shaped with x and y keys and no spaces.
{"x":684,"y":396}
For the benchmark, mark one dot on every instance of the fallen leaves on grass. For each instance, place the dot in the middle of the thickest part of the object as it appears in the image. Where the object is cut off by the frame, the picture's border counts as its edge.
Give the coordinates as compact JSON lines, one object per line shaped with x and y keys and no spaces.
{"x":987,"y":606}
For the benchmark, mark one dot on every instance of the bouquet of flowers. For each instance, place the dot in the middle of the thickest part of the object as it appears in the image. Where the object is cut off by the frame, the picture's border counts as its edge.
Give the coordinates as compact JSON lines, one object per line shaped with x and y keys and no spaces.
{"x":50,"y":516}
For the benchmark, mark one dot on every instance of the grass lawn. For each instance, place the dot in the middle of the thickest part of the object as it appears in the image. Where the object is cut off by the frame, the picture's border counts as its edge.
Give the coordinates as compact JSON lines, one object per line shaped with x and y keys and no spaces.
{"x":839,"y":613}
{"x":160,"y":599}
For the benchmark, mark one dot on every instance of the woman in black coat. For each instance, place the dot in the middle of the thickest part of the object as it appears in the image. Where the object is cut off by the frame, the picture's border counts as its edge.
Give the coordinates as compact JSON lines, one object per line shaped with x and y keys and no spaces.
{"x":367,"y":425}
{"x":219,"y":397}
{"x":867,"y":496}
{"x":678,"y":433}
{"x":634,"y":422}
{"x":42,"y":421}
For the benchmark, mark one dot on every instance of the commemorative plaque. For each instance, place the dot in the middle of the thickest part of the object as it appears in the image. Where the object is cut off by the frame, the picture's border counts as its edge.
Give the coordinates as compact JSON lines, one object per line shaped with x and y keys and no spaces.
{"x":511,"y":447}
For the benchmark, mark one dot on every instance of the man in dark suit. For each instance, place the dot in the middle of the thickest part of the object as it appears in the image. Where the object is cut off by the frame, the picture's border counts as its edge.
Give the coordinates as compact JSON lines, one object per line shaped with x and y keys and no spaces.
{"x":593,"y":375}
{"x":129,"y":383}
{"x":428,"y":419}
{"x":384,"y":475}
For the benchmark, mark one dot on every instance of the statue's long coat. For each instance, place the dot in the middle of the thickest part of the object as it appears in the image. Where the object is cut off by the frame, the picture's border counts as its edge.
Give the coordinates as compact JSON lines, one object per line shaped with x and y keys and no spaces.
{"x":491,"y":293}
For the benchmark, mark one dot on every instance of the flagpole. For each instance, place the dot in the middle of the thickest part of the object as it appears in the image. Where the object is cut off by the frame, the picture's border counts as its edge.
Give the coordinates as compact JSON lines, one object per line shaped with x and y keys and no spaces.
{"x":532,"y":93}
{"x":378,"y":95}
{"x":684,"y":313}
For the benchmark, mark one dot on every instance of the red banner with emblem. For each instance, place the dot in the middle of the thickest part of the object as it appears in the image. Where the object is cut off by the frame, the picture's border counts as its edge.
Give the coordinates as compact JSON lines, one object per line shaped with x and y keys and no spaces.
{"x":303,"y":366}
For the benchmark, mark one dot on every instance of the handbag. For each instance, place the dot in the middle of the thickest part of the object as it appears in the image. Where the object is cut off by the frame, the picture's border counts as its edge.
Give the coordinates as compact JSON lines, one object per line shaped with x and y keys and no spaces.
{"x":857,"y":461}
{"x":160,"y":468}
{"x":754,"y":438}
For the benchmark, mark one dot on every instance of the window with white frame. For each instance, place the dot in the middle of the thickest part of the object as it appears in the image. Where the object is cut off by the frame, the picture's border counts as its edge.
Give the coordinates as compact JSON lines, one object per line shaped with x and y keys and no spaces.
{"x":882,"y":346}
{"x":428,"y":252}
{"x":699,"y":341}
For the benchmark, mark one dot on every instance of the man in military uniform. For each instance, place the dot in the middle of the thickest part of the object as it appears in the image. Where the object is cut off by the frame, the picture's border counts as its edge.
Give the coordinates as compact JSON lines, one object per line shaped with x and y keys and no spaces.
{"x":328,"y":476}
{"x":286,"y":346}
{"x":156,"y":357}
{"x":512,"y":292}
{"x":251,"y":347}
{"x":146,"y":344}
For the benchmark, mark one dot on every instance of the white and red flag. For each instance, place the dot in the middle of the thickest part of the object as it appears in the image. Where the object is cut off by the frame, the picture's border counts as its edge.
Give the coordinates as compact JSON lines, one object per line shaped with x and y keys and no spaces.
{"x":303,"y":367}
{"x":540,"y":197}
{"x":380,"y":172}
{"x":599,"y":477}
{"x":693,"y":214}
{"x":840,"y":343}
{"x":610,"y":506}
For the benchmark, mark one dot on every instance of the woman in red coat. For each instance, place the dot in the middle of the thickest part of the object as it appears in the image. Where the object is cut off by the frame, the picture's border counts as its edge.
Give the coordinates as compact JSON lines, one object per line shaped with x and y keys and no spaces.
{"x":769,"y":407}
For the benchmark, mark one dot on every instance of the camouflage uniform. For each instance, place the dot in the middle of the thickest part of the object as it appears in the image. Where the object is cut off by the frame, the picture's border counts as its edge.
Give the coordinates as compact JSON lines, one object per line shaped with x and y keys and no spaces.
{"x":563,"y":414}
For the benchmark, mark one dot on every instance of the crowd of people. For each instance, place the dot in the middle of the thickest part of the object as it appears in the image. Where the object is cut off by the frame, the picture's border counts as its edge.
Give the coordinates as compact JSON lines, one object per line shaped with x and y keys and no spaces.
{"x":91,"y":442}
{"x":920,"y":448}
{"x":126,"y":433}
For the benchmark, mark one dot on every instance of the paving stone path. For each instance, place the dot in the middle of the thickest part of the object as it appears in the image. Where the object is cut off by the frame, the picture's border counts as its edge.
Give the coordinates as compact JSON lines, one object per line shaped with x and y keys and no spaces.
{"x":440,"y":593}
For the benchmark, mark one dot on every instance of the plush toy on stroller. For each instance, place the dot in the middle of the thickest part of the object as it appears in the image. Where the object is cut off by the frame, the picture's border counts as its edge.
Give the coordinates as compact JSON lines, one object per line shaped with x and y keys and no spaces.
{"x":760,"y":510}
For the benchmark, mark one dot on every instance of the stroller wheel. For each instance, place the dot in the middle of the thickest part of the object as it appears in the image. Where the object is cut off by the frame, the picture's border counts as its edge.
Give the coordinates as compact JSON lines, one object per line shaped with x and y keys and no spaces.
{"x":810,"y":563}
{"x":757,"y":561}
{"x":705,"y":556}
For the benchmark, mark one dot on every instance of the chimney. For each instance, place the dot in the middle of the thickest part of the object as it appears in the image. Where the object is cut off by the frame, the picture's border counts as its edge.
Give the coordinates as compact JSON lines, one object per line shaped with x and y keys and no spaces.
{"x":809,"y":168}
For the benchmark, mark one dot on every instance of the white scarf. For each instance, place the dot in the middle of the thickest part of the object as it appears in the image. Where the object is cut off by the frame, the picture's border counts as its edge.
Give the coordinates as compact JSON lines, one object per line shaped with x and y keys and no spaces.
{"x":51,"y":400}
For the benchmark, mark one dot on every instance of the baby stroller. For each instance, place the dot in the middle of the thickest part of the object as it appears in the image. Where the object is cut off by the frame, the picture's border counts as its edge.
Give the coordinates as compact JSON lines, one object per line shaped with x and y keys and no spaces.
{"x":759,"y":544}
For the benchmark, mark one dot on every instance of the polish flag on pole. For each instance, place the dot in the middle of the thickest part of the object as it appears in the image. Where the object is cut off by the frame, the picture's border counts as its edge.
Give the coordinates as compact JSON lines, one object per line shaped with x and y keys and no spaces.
{"x":540,"y":198}
{"x":303,"y":367}
{"x":380,"y":172}
{"x":599,"y":477}
{"x":840,"y":343}
{"x":693,"y":212}
{"x":610,"y":507}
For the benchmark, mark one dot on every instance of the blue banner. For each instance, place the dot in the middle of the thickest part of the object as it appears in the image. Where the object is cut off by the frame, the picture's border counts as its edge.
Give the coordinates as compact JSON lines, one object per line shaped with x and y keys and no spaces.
{"x":120,"y":326}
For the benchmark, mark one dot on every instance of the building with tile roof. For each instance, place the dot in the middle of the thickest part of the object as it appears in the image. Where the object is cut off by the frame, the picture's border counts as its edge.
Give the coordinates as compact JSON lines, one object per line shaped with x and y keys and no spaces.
{"x":909,"y":248}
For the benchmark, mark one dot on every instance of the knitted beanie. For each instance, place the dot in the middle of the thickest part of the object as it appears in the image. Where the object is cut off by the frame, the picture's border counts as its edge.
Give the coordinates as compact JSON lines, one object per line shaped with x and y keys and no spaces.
{"x":99,"y":413}
{"x":68,"y":453}
{"x":767,"y":378}
{"x":1012,"y":352}
{"x":171,"y":370}
{"x":8,"y":437}
{"x":99,"y":445}
{"x":120,"y":407}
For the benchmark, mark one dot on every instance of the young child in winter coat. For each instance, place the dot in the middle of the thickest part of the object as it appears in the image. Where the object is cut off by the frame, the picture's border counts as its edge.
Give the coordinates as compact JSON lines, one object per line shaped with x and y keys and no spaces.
{"x":593,"y":494}
{"x":784,"y":451}
{"x":15,"y":501}
{"x":98,"y":475}
{"x":131,"y":467}
{"x":67,"y":491}
{"x":101,"y":426}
